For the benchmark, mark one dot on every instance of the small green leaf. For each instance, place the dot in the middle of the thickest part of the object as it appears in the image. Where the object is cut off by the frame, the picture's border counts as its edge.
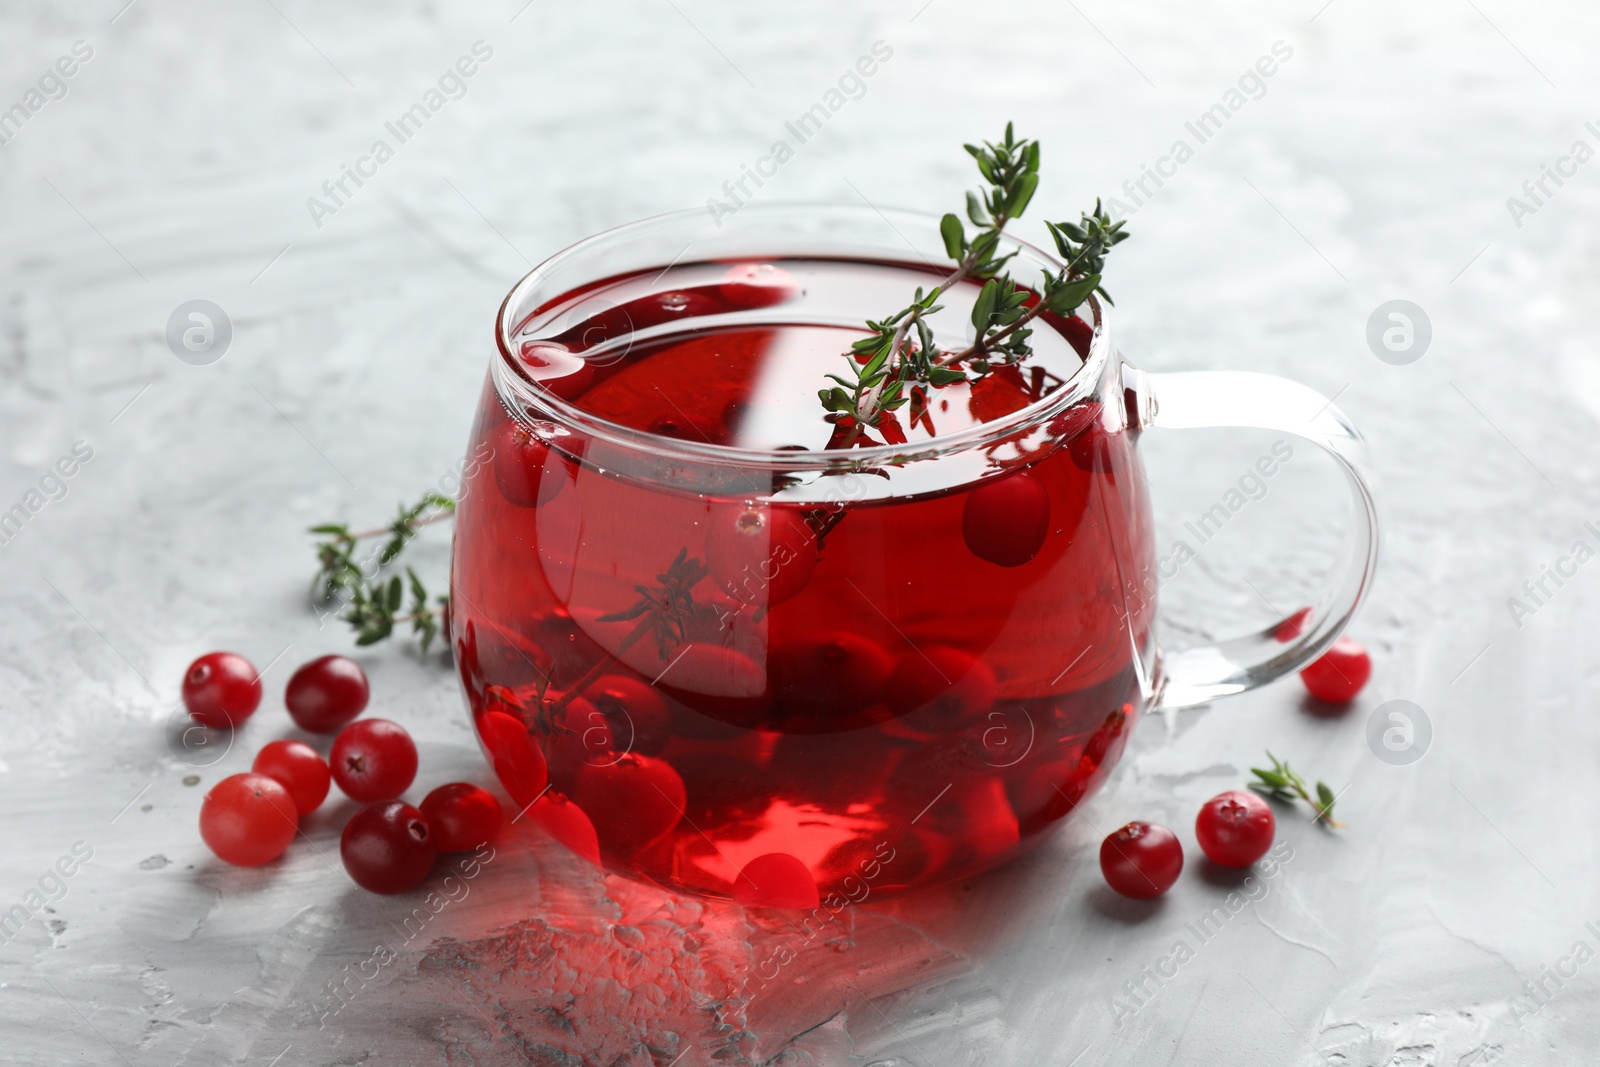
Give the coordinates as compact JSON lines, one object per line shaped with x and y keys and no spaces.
{"x":1066,"y":298}
{"x":983,"y":307}
{"x":1017,"y":203}
{"x":955,"y":238}
{"x":975,"y":210}
{"x":835,"y":399}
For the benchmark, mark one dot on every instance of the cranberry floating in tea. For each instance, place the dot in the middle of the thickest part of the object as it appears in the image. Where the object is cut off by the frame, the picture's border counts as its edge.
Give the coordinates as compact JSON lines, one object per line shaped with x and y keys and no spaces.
{"x":810,"y":567}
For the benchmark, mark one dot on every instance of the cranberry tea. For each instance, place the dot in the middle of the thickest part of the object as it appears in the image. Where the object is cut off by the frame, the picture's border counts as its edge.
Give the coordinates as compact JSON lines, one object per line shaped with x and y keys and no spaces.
{"x":866,"y":668}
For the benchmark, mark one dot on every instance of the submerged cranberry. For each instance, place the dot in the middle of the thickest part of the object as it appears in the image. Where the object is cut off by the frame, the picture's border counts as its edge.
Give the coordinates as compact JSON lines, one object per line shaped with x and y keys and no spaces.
{"x":517,"y":761}
{"x":1094,"y":451}
{"x":634,"y":715}
{"x":632,"y":802}
{"x":947,"y":685}
{"x":580,"y":735}
{"x":527,"y":471}
{"x":830,"y":676}
{"x":1005,"y":521}
{"x":775,"y":880}
{"x":723,"y":683}
{"x":559,"y":648}
{"x":760,"y":555}
{"x":977,"y":818}
{"x":563,"y":820}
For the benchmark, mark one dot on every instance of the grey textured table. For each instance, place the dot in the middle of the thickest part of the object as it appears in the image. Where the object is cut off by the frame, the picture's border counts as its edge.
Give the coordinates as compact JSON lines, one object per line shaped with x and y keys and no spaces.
{"x":1447,"y":925}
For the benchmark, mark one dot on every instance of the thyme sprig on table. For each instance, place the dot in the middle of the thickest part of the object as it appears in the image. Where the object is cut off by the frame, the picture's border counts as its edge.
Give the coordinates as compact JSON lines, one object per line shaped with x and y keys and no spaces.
{"x":373,"y":601}
{"x":899,"y":359}
{"x":1282,"y":783}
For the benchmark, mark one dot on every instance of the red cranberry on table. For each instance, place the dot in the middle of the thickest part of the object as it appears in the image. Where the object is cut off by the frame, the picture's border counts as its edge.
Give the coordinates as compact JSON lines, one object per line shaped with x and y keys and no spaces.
{"x":248,"y":820}
{"x":1340,"y":673}
{"x":1141,"y":860}
{"x":461,"y":816}
{"x":373,"y":759}
{"x":387,"y":847}
{"x":326,"y":694}
{"x":1005,"y":521}
{"x":297,"y":767}
{"x":1235,"y":828}
{"x":221,"y":690}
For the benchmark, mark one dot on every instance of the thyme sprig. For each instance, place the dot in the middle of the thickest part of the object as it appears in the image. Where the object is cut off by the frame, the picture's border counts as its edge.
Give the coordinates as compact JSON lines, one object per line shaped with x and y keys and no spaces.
{"x":899,"y":355}
{"x":1282,"y":783}
{"x":665,"y":610}
{"x":669,"y":607}
{"x":374,"y":602}
{"x":374,"y":610}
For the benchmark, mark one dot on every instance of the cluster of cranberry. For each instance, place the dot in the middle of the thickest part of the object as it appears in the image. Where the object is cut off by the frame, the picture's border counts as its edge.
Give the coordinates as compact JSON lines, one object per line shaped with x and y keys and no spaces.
{"x":250,"y":819}
{"x":1142,"y":860}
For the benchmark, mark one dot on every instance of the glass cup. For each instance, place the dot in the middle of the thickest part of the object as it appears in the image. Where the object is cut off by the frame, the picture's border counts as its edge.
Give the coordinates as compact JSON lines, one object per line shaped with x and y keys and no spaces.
{"x":796,"y":677}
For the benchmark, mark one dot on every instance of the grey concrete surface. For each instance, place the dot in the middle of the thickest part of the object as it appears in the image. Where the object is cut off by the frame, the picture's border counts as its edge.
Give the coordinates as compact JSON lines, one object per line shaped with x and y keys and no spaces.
{"x":1448,"y":925}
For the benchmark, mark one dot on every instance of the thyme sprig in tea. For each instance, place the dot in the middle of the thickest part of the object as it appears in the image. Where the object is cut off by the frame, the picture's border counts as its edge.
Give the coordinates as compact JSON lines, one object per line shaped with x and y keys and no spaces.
{"x":899,"y":359}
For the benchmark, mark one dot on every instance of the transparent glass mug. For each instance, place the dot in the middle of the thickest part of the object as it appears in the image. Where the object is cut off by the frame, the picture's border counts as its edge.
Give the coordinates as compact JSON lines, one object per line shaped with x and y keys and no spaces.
{"x":886,"y":688}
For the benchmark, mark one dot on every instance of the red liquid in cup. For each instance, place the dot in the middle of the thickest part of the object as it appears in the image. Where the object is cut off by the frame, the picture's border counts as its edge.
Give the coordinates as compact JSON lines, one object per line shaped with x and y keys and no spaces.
{"x":843,"y":697}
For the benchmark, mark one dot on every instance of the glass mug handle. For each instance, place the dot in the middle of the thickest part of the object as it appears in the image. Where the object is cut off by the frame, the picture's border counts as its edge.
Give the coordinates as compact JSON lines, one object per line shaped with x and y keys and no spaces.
{"x":1204,"y":399}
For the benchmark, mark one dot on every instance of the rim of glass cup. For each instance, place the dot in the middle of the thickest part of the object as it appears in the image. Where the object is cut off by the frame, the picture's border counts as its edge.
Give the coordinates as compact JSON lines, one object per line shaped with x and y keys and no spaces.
{"x":535,"y":402}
